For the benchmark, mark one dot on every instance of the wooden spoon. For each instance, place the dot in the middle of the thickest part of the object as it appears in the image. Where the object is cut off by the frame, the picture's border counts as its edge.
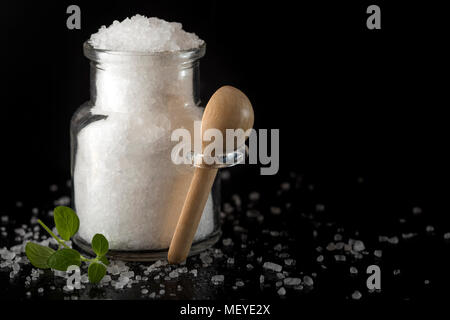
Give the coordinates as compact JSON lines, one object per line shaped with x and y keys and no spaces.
{"x":228,"y":108}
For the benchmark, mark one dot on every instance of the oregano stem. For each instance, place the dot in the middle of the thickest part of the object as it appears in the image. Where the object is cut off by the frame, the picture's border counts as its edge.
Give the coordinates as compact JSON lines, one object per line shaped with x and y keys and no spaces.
{"x":61,"y":242}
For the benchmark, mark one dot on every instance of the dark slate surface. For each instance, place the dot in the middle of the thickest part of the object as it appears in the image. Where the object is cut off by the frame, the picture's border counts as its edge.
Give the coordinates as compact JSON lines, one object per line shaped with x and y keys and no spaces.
{"x":271,"y":219}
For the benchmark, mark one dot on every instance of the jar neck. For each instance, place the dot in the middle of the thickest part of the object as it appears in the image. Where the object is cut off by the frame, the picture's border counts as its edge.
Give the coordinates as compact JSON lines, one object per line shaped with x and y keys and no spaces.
{"x":140,"y":83}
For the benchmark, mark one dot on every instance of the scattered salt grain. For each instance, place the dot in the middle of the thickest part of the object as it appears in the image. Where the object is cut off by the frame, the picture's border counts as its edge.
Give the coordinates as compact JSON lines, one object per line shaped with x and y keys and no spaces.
{"x":272,"y":266}
{"x":285,"y":186}
{"x":252,"y":213}
{"x":281,"y":291}
{"x":254,"y":196}
{"x":239,"y":284}
{"x":409,"y":235}
{"x":289,"y":262}
{"x":275,"y":210}
{"x":292,"y":281}
{"x":217,"y":279}
{"x":358,"y":246}
{"x":237,"y":200}
{"x":320,"y":207}
{"x":173,"y":274}
{"x":356,"y":295}
{"x":340,"y":257}
{"x":393,"y":240}
{"x":225,"y":174}
{"x":337,"y":237}
{"x":307,"y":280}
{"x":227,"y":242}
{"x":378,"y":253}
{"x":62,"y":201}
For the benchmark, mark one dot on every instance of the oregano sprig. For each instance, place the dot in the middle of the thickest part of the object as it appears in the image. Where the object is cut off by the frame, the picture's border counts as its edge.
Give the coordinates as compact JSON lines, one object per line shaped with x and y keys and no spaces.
{"x":67,"y":224}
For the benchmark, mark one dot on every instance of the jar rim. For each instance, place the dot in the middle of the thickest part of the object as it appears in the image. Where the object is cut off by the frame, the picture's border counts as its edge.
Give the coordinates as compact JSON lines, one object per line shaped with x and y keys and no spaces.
{"x":95,"y":54}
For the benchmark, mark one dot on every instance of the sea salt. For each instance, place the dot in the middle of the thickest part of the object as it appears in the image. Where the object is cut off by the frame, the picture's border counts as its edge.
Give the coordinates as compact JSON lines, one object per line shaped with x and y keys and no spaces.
{"x":289,"y":262}
{"x":275,"y":210}
{"x":254,"y":196}
{"x":272,"y":266}
{"x":227,"y":242}
{"x":307,"y":280}
{"x":261,"y":279}
{"x":125,"y":158}
{"x":173,"y":274}
{"x":143,"y":34}
{"x":356,"y":295}
{"x":292,"y":281}
{"x":281,"y":291}
{"x":393,"y":240}
{"x":239,"y":283}
{"x":358,"y":246}
{"x":217,"y":279}
{"x":378,"y":253}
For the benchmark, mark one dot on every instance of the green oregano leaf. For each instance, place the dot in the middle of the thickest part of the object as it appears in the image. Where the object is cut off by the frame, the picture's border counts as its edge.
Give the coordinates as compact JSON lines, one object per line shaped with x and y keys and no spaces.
{"x":66,"y":222}
{"x":62,"y":259}
{"x":104,"y":260}
{"x":38,"y":255}
{"x":96,"y":272}
{"x":100,"y":245}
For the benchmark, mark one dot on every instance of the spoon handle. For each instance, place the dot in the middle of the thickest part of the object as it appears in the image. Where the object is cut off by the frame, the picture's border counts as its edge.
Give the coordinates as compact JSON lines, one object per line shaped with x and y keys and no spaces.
{"x":191,"y":213}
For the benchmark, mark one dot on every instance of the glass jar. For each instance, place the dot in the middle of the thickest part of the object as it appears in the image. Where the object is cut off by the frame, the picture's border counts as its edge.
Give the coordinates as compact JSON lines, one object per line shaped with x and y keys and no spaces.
{"x":125,"y":185}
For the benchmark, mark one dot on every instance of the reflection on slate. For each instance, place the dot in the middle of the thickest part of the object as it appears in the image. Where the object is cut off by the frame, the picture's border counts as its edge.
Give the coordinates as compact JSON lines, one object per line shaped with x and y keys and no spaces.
{"x":288,"y":241}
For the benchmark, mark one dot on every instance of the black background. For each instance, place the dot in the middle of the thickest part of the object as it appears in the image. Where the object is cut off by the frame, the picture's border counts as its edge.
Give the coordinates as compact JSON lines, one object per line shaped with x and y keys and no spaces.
{"x":348,"y":101}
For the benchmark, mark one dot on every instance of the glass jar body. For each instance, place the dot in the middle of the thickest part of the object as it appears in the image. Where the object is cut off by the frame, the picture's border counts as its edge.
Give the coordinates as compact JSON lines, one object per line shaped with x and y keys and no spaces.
{"x":125,"y":185}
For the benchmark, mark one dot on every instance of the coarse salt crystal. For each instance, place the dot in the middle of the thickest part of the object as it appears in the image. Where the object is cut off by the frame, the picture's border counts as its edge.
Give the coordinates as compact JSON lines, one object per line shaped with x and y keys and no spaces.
{"x":272,"y":266}
{"x":292,"y":281}
{"x":143,"y":34}
{"x":281,"y":291}
{"x":356,"y":295}
{"x":217,"y":279}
